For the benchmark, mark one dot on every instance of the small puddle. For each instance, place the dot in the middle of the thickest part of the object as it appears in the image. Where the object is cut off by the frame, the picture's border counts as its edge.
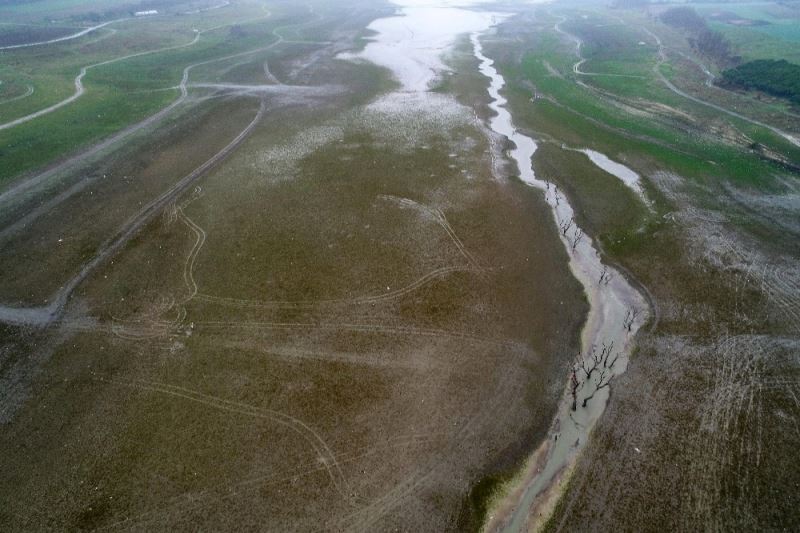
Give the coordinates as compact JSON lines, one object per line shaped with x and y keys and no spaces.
{"x":620,"y":171}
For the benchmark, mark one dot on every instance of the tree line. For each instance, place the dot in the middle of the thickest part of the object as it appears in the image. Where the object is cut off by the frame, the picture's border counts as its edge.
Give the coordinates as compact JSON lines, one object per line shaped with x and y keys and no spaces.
{"x":707,"y":42}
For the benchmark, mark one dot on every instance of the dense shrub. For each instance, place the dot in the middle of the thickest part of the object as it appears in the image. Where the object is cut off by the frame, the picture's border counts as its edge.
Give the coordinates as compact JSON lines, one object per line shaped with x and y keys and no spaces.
{"x":776,"y":77}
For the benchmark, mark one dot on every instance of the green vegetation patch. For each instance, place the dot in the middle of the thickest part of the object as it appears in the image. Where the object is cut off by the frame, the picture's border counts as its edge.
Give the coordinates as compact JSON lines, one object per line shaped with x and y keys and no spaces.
{"x":603,"y":205}
{"x":775,"y":77}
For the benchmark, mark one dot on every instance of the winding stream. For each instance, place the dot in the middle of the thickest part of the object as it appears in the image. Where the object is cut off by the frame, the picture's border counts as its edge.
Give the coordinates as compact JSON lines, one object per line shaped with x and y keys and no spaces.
{"x":610,"y":303}
{"x":411,"y":44}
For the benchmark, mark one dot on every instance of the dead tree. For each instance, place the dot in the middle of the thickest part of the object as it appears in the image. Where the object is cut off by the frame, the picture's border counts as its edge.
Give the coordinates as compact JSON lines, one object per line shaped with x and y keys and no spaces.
{"x":576,"y":238}
{"x":630,"y":318}
{"x":565,"y":226}
{"x":604,"y":381}
{"x":603,"y":363}
{"x":605,"y":276}
{"x":575,"y":386}
{"x":556,"y":197}
{"x":605,"y":356}
{"x":589,"y":364}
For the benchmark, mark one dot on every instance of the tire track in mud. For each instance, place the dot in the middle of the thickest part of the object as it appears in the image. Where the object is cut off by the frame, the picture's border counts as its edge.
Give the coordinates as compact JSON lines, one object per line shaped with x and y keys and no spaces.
{"x":28,"y":92}
{"x":309,"y":304}
{"x":436,"y":214}
{"x":216,"y":493}
{"x":576,"y":68}
{"x":144,"y":328}
{"x":364,"y":328}
{"x":732,"y":423}
{"x":774,"y":282}
{"x":42,"y":316}
{"x":440,"y":218}
{"x":365,"y":518}
{"x":65,"y":38}
{"x":37,"y":179}
{"x":669,"y":85}
{"x":313,"y":438}
{"x":188,"y":269}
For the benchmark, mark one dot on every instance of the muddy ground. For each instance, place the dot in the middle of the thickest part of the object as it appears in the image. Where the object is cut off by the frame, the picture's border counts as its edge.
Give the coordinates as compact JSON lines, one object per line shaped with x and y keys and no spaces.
{"x":701,"y":431}
{"x":347,"y":322}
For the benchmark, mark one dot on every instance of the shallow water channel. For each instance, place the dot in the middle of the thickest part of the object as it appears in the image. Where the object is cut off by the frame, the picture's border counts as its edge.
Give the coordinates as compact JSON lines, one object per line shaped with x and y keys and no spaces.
{"x":610,"y":303}
{"x":411,"y":44}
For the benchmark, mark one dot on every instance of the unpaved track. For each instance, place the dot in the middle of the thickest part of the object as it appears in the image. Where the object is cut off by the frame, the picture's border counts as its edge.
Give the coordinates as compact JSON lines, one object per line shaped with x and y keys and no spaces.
{"x":576,"y":68}
{"x":38,"y":179}
{"x":79,"y":88}
{"x":30,"y":90}
{"x":709,"y":81}
{"x":35,"y":180}
{"x":312,"y":437}
{"x":657,"y":70}
{"x":41,"y":316}
{"x":65,"y":38}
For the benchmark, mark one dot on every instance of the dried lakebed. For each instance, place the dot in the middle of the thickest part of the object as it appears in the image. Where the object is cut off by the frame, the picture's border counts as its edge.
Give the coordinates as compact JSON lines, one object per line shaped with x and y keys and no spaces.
{"x":203,"y":307}
{"x":411,"y":45}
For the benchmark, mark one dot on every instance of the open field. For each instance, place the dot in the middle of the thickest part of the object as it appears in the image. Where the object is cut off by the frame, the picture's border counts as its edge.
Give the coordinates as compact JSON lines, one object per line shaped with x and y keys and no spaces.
{"x":285,"y":266}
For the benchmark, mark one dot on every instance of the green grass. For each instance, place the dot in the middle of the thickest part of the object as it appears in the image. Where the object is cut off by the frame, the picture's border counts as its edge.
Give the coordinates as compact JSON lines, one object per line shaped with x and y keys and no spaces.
{"x":61,"y":132}
{"x":51,"y":7}
{"x":613,"y":48}
{"x":752,"y":43}
{"x":784,"y":21}
{"x":473,"y":517}
{"x":117,"y":95}
{"x":604,"y":206}
{"x":578,"y":111}
{"x":575,"y":114}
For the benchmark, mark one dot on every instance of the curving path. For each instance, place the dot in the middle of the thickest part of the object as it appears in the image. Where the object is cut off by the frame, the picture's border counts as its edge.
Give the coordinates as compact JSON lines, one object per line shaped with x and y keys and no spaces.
{"x":65,"y":38}
{"x":79,"y":88}
{"x":29,"y":91}
{"x":36,"y":180}
{"x":44,"y":315}
{"x":709,"y":81}
{"x":576,"y":68}
{"x":41,"y":316}
{"x":657,"y":70}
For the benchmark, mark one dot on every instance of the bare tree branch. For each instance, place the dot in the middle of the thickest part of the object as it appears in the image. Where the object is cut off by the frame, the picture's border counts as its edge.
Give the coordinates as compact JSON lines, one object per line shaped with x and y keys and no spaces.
{"x":565,"y":226}
{"x":600,"y":362}
{"x":576,"y":238}
{"x":630,"y":318}
{"x":605,"y":276}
